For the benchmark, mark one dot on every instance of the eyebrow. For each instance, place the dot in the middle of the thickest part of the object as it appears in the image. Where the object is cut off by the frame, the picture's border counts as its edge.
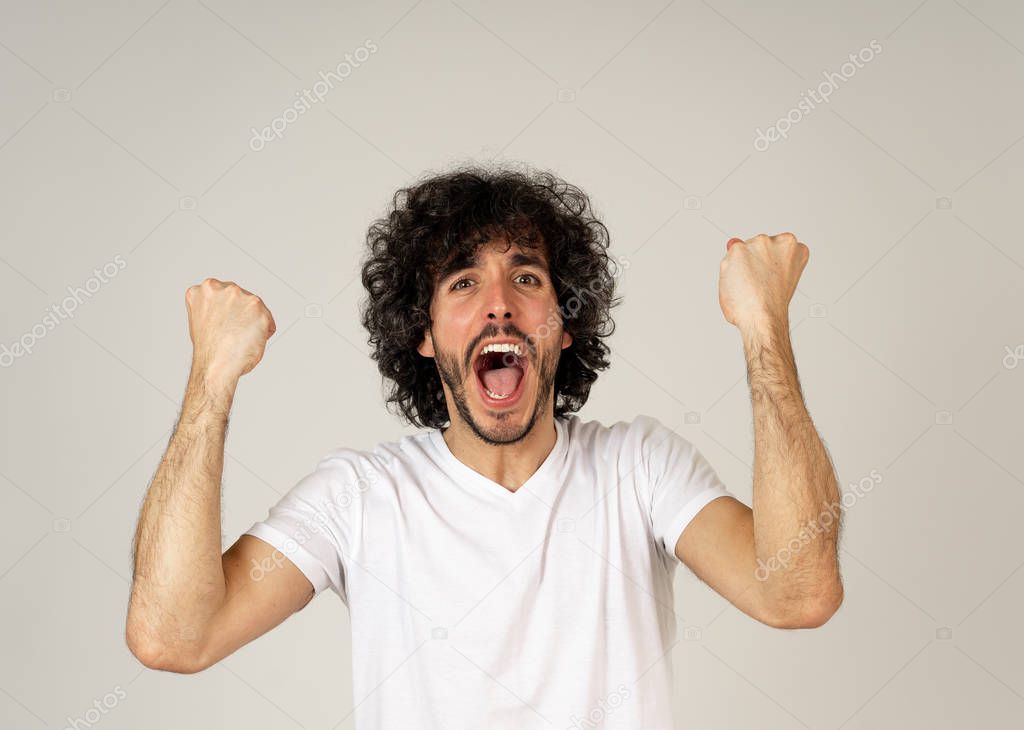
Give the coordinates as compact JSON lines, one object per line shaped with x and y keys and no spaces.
{"x":473,"y":260}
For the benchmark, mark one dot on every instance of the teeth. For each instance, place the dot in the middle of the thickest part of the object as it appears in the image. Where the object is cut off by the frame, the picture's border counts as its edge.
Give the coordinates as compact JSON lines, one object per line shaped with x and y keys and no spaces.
{"x":496,"y":396}
{"x":504,"y":347}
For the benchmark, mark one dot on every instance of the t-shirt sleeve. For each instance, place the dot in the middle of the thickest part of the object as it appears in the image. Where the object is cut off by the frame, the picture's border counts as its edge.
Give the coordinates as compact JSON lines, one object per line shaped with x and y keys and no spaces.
{"x":680,"y":481}
{"x":313,"y":523}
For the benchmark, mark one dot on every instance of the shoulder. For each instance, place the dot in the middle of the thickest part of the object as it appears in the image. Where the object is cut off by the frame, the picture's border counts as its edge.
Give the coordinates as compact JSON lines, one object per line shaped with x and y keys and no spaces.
{"x":653,"y":446}
{"x":345,"y":462}
{"x":632,"y":435}
{"x":385,"y":463}
{"x":636,"y":445}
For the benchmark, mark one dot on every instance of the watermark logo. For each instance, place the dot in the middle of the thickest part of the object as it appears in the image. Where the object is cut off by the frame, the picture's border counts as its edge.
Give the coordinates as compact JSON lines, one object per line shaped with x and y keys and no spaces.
{"x":813,"y":528}
{"x":57,"y":313}
{"x":318,"y":521}
{"x":573,"y":304}
{"x":596,"y":716}
{"x":99,"y":708}
{"x":818,"y":95}
{"x":309,"y":97}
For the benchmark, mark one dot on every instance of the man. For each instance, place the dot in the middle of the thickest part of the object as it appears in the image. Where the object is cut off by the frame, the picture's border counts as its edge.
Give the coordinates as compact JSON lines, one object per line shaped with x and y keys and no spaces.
{"x":511,"y":566}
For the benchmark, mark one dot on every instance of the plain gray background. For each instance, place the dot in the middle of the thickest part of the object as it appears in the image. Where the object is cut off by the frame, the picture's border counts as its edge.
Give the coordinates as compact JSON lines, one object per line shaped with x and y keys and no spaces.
{"x":125,"y":132}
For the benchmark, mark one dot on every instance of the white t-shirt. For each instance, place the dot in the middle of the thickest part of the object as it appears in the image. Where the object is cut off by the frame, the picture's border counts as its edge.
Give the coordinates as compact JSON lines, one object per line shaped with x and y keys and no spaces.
{"x":473,"y":606}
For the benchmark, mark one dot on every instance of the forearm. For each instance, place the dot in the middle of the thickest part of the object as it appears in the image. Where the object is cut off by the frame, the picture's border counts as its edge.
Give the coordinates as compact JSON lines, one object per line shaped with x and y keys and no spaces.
{"x":796,"y":496}
{"x":178,"y":578}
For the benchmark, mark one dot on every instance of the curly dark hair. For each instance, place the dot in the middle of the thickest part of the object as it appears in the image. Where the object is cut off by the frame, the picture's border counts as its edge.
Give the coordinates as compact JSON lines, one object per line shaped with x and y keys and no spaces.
{"x":444,"y":218}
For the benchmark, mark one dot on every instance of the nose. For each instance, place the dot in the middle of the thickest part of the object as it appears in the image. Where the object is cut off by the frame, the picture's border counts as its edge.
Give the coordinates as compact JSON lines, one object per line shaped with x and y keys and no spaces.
{"x":498,"y":307}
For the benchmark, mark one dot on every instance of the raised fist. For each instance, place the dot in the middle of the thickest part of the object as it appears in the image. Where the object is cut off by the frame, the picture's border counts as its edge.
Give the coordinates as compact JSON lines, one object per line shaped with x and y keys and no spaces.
{"x":229,"y":327}
{"x":757,"y":278}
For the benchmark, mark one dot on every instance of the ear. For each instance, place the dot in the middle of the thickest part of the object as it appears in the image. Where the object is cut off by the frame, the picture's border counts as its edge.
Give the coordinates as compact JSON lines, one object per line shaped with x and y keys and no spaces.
{"x":426,"y":348}
{"x":566,"y":339}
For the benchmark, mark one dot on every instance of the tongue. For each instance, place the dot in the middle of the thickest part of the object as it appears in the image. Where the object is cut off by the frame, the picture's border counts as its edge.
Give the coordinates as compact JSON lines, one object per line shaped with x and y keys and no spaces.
{"x":502,"y":381}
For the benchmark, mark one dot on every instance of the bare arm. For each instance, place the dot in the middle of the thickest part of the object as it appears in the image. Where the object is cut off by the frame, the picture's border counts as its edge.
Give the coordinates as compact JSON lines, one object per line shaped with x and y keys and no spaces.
{"x":796,"y":494}
{"x":178,"y":579}
{"x":778,"y":561}
{"x":190,"y":605}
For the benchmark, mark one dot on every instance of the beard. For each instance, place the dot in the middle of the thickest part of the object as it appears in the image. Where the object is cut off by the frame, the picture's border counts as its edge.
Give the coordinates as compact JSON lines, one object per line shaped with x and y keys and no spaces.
{"x":503,"y":427}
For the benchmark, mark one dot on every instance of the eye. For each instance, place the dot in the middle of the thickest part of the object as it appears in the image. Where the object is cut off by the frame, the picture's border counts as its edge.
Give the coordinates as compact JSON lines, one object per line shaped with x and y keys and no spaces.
{"x":455,"y":286}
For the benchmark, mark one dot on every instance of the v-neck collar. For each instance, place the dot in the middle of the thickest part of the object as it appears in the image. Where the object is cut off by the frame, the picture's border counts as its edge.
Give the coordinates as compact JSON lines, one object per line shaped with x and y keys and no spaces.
{"x":490,"y":488}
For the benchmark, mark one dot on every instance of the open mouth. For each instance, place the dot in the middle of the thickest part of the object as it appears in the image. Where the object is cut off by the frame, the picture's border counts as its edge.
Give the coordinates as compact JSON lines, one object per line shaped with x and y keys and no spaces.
{"x":501,"y":376}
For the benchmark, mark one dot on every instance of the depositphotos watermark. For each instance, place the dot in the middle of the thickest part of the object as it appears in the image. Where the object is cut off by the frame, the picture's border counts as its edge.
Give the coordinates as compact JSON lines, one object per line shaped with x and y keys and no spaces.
{"x":309,"y":97}
{"x":573,"y":305}
{"x":99,"y":708}
{"x":813,"y":528}
{"x":59,"y":312}
{"x":316,"y":522}
{"x":818,"y":95}
{"x":597,"y":715}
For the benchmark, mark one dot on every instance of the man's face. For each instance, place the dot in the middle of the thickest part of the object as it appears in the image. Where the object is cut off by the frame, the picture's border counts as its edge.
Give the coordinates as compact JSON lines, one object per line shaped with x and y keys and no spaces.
{"x":505,"y":296}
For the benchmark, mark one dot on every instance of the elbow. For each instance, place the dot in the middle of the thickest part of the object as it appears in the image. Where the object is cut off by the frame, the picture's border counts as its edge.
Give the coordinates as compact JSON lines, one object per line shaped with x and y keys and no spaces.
{"x":808,"y":614}
{"x":153,"y":655}
{"x":817,"y":613}
{"x":177,"y":646}
{"x":155,"y":658}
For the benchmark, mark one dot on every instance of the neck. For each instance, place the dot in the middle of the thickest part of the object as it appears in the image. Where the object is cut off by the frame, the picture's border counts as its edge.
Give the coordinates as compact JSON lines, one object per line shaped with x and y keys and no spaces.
{"x":509,"y":465}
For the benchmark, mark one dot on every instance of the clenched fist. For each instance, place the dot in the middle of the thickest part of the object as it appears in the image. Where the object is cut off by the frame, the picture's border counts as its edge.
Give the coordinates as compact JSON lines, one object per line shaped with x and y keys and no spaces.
{"x":757,"y":278}
{"x":229,"y":327}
